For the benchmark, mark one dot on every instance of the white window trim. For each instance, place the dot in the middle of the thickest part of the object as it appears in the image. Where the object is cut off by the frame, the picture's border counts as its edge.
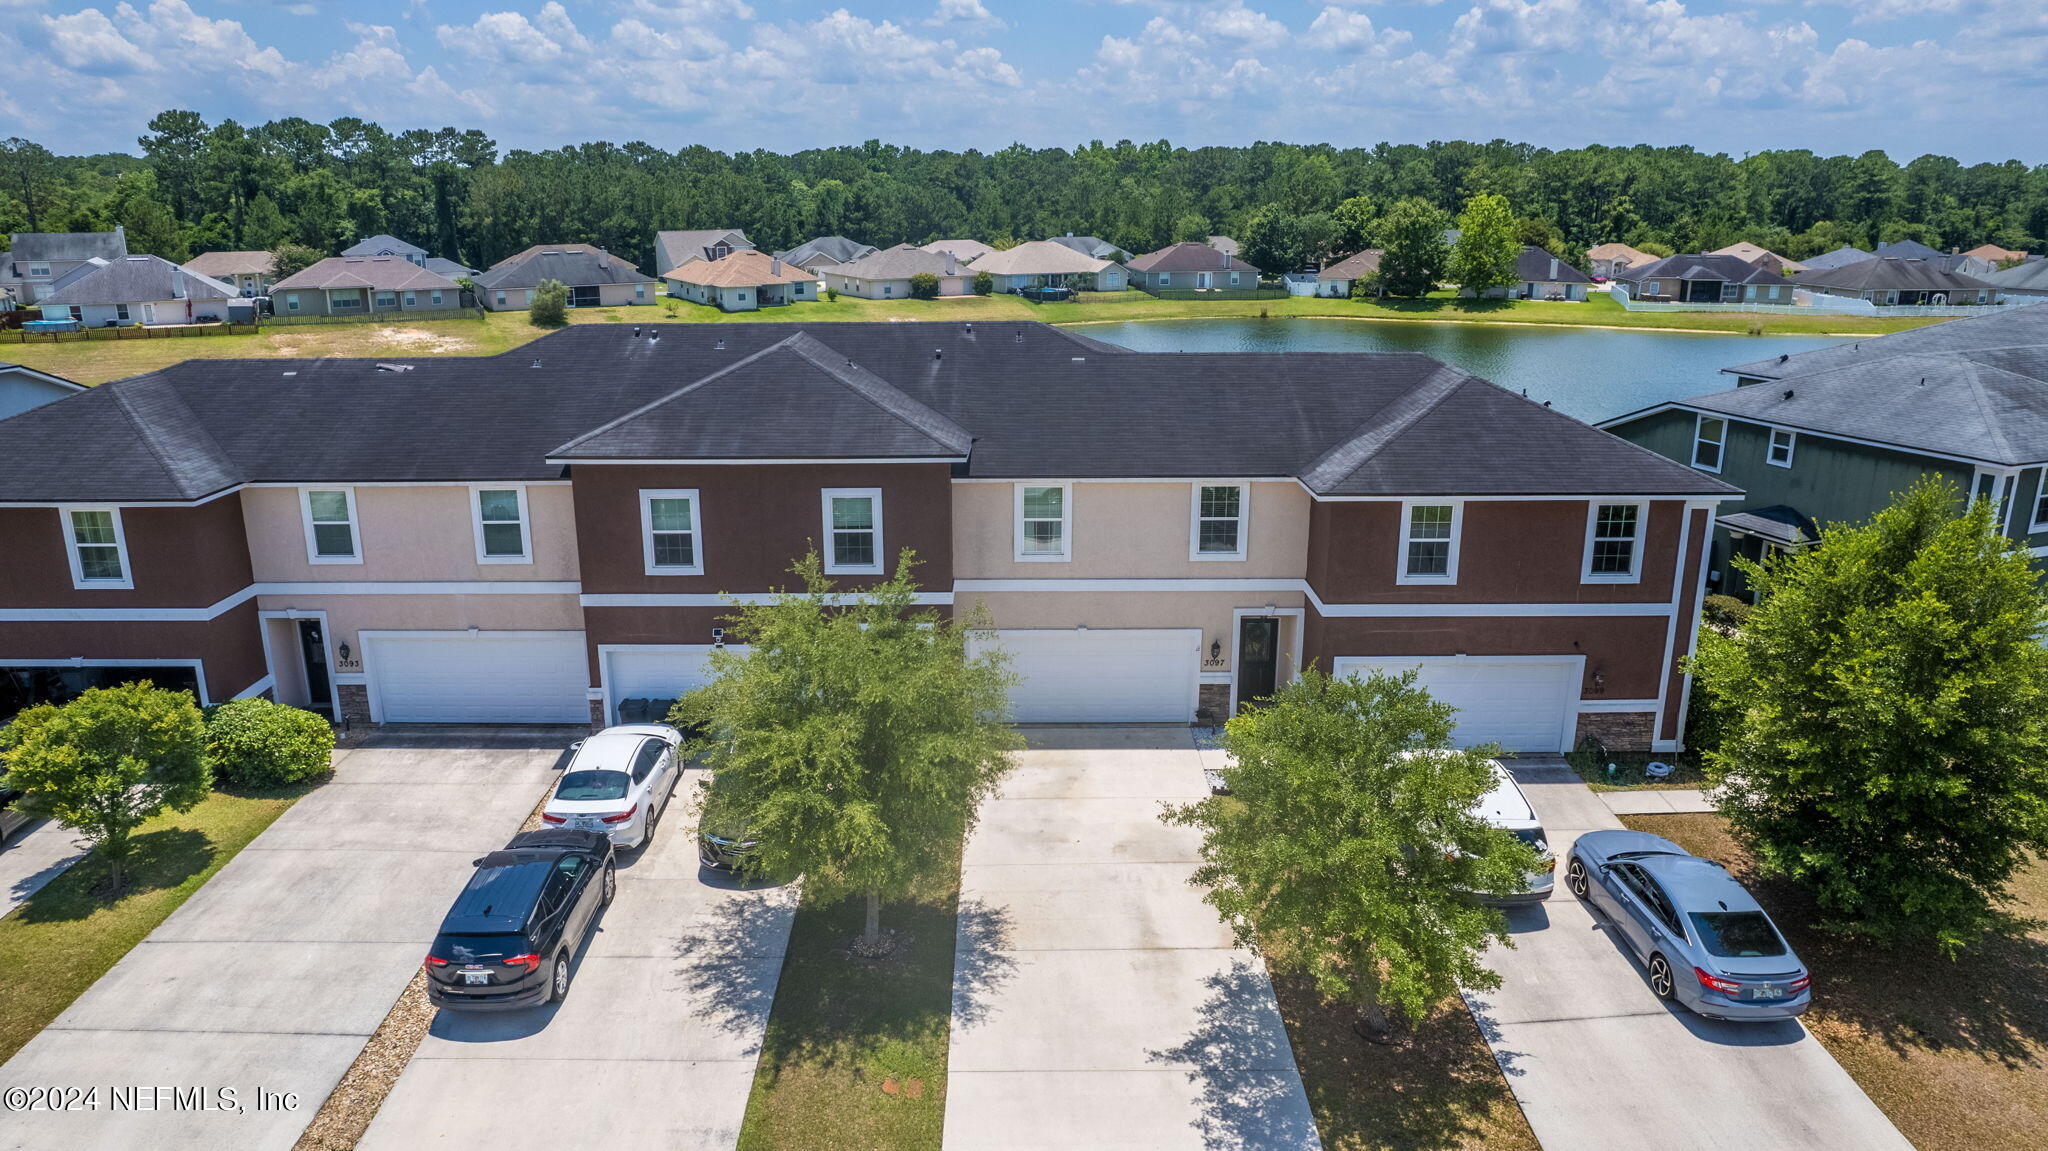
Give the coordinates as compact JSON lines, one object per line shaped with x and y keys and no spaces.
{"x":355,"y":528}
{"x":647,"y":498}
{"x":832,"y":566}
{"x":1699,"y":424}
{"x":78,"y":580}
{"x":1066,"y":524}
{"x":1791,"y":447}
{"x":1450,"y":576}
{"x":1635,"y":566}
{"x":1244,"y":521}
{"x":476,"y":522}
{"x":2037,"y":524}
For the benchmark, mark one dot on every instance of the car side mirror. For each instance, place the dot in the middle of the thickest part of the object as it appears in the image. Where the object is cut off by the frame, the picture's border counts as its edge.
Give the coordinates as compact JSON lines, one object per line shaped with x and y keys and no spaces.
{"x":476,"y":863}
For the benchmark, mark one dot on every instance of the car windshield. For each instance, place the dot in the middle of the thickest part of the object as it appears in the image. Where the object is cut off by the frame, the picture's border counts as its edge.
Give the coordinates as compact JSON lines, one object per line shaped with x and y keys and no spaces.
{"x":478,"y":948}
{"x":1737,"y":934}
{"x":593,"y":785}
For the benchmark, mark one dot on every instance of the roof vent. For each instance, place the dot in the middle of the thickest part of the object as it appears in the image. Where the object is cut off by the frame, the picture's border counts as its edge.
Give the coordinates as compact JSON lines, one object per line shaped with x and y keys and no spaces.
{"x":1788,"y":393}
{"x":938,"y":353}
{"x":720,"y":345}
{"x":1080,"y":359}
{"x":536,"y":361}
{"x":653,"y":335}
{"x":397,"y":367}
{"x":293,"y":372}
{"x":1546,"y":403}
{"x":970,"y":329}
{"x":1783,"y":356}
{"x":636,"y":333}
{"x":1020,"y":335}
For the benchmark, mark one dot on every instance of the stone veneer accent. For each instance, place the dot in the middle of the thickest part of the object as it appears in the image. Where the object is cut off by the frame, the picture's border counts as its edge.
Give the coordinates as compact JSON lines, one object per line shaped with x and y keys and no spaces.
{"x":1212,"y":703}
{"x":597,"y":722}
{"x":354,"y":699}
{"x":1618,"y":730}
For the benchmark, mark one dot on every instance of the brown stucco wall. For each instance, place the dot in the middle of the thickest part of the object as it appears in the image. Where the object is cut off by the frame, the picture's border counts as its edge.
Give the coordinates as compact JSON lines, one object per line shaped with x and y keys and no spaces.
{"x":179,"y":557}
{"x":230,"y":646}
{"x":1627,"y":650}
{"x":1688,"y":631}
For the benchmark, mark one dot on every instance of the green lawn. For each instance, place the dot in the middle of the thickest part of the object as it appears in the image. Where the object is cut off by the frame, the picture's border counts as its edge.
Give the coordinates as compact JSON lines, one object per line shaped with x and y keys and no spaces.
{"x":66,"y":936}
{"x":1628,"y":774}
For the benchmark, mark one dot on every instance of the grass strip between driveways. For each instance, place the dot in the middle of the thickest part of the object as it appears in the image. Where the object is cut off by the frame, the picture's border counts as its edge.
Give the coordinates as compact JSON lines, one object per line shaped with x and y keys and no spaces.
{"x":855,"y":1052}
{"x":67,"y":935}
{"x":1955,"y":1053}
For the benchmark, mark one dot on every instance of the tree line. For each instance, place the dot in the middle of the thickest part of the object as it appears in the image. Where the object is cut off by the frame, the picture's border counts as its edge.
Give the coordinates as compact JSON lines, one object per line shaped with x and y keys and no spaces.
{"x":199,"y":186}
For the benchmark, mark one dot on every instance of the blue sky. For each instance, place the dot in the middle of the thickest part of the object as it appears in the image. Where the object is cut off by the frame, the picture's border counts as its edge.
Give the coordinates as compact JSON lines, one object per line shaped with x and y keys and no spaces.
{"x":1967,"y":78}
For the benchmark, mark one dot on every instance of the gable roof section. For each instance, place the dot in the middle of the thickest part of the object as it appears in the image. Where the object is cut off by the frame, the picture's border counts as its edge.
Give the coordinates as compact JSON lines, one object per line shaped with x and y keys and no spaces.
{"x":824,"y":250}
{"x":674,"y":248}
{"x":902,"y":262}
{"x":1701,"y":266}
{"x":576,"y":265}
{"x":66,"y":246}
{"x":217,"y":264}
{"x":1995,"y":254}
{"x":1094,"y":246}
{"x":1611,"y":251}
{"x":1884,"y":273}
{"x":443,"y":266}
{"x":381,"y":273}
{"x":967,"y":250}
{"x":1189,"y":256}
{"x":1837,"y":258}
{"x":1539,"y":266}
{"x":23,"y":370}
{"x":383,"y":245}
{"x":1908,"y":249}
{"x":2002,"y":327}
{"x":1038,"y":258}
{"x":1353,"y":266}
{"x":745,"y":269}
{"x":132,"y":280}
{"x":2032,"y":275}
{"x":1758,"y":254}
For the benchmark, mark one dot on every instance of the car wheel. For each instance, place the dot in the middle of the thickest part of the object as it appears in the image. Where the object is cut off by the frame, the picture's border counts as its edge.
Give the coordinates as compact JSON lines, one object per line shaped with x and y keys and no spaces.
{"x":1575,"y":877}
{"x":558,"y":979}
{"x":1660,"y":978}
{"x":611,"y":884}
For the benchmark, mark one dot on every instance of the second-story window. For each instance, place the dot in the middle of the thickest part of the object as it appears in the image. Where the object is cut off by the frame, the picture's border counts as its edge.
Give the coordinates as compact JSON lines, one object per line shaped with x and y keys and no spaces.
{"x":1219,"y":522}
{"x":1044,"y":522}
{"x":853,"y":531}
{"x":501,"y":526}
{"x":1708,"y":436}
{"x":330,"y":526}
{"x":1614,"y":543}
{"x":1782,"y":443}
{"x":98,"y":551}
{"x":671,"y":532}
{"x":1429,"y":543}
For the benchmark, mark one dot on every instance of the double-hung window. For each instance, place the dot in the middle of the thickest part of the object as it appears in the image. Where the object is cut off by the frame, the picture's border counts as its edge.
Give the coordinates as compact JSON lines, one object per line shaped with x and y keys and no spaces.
{"x":853,"y":531}
{"x":330,"y":525}
{"x":1709,"y":436}
{"x":97,"y":549}
{"x":1045,"y":521}
{"x":1219,"y":529}
{"x":1614,"y":542}
{"x":1429,"y":542}
{"x":1782,"y":443}
{"x":434,"y":298}
{"x":671,"y":531}
{"x":501,"y":525}
{"x":411,"y":299}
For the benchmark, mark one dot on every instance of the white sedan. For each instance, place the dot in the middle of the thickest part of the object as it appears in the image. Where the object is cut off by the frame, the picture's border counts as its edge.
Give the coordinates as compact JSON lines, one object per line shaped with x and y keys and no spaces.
{"x":618,"y":782}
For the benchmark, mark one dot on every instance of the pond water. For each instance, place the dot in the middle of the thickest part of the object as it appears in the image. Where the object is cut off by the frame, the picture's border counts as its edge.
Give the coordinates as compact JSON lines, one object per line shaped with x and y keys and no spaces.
{"x":1591,"y":373}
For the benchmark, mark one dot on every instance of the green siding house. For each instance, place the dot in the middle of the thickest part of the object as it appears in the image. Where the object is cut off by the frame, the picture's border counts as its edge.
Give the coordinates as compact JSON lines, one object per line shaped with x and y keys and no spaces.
{"x":1832,"y":435}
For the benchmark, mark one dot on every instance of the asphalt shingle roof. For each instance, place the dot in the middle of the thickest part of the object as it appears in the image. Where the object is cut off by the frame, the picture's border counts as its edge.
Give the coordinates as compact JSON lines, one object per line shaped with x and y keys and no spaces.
{"x":2005,"y":326}
{"x":826,"y":250}
{"x":2032,"y":275}
{"x":1038,"y":258}
{"x":1353,"y":266}
{"x":1883,"y":273}
{"x":134,"y":279}
{"x":1837,"y":258}
{"x":1539,"y":266}
{"x":65,"y":246}
{"x":576,"y":265}
{"x":1700,"y":266}
{"x":1189,"y":256}
{"x":902,"y":262}
{"x":673,"y":249}
{"x":383,"y":273}
{"x":218,"y":264}
{"x":746,"y":269}
{"x":383,"y":245}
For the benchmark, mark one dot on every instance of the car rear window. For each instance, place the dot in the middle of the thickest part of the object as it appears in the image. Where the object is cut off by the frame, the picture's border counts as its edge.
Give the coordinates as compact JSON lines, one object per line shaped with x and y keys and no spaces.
{"x":479,"y":948}
{"x":1533,"y":836}
{"x":1737,"y":934}
{"x":593,"y":785}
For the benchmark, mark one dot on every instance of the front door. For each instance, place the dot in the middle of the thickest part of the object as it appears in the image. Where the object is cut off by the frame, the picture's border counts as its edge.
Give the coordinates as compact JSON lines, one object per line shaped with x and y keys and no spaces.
{"x":149,"y":313}
{"x":313,"y":647}
{"x":1258,"y":657}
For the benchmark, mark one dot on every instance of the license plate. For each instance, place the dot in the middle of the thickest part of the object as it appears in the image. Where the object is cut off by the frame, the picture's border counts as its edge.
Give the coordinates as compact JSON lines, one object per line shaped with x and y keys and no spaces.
{"x":1767,"y":993}
{"x":476,"y":977}
{"x":586,"y":824}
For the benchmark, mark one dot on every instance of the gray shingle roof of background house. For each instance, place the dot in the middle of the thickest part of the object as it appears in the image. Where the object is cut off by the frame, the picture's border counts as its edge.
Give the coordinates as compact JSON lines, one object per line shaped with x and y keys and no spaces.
{"x":1885,"y":273}
{"x":2005,"y":326}
{"x":674,"y":248}
{"x":1038,"y":402}
{"x":1189,"y":256}
{"x":1539,"y":266}
{"x":2031,"y":275}
{"x":443,"y":266}
{"x":1094,"y":246}
{"x":66,"y":246}
{"x":1837,"y":258}
{"x":1223,"y":244}
{"x":1699,"y":266}
{"x":383,"y":245}
{"x":967,"y":250}
{"x":902,"y":262}
{"x":384,"y":273}
{"x":133,"y":280}
{"x":824,"y":250}
{"x":218,"y":264}
{"x":1353,"y":266}
{"x":576,"y":265}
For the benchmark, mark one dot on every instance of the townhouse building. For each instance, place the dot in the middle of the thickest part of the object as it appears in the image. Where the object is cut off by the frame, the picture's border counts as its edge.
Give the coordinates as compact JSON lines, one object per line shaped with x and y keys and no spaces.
{"x":556,"y":533}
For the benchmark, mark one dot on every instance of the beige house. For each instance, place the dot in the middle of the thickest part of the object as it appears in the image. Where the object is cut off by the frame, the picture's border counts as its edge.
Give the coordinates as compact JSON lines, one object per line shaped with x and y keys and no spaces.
{"x":1763,"y":258}
{"x":885,"y":275}
{"x":361,"y":285}
{"x":743,"y":281}
{"x":595,"y":278}
{"x":1042,"y":263}
{"x":1336,"y":279}
{"x":1611,"y":260}
{"x":249,"y":273}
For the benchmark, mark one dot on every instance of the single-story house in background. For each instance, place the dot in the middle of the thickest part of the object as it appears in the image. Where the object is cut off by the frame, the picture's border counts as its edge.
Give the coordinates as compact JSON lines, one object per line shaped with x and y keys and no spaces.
{"x":23,"y":387}
{"x":383,"y":245}
{"x":2020,"y":283}
{"x":35,"y":260}
{"x":1223,"y":244}
{"x":744,"y":281}
{"x":1701,"y":278}
{"x":136,"y":290}
{"x":1762,"y":257}
{"x":1612,"y":259}
{"x":442,"y":266}
{"x":250,"y":273}
{"x":815,"y":254}
{"x":1951,"y":261}
{"x":673,"y":249}
{"x":361,"y":285}
{"x":968,"y":250}
{"x":1893,"y":280}
{"x":1996,"y":254}
{"x":1335,"y":279}
{"x":595,"y":278}
{"x":1191,"y":266}
{"x":885,"y":275}
{"x":1542,"y":276}
{"x":1042,"y":263}
{"x":1094,"y":246}
{"x":1840,"y":257}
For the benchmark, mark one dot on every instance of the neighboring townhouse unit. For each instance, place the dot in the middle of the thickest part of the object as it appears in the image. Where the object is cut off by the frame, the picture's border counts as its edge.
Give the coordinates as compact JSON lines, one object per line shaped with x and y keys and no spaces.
{"x":1706,"y":279}
{"x":1895,"y":280}
{"x":383,"y":245}
{"x":23,"y":387}
{"x":814,"y":255}
{"x":360,"y":285}
{"x":1335,"y":280}
{"x":135,"y":290}
{"x":1044,"y":264}
{"x":1191,"y":266}
{"x":673,"y":249}
{"x":1834,"y":435}
{"x":594,"y":277}
{"x":249,"y":273}
{"x":1762,"y":257}
{"x":35,"y":260}
{"x":553,"y":533}
{"x":745,"y":281}
{"x":885,"y":275}
{"x":1610,"y":260}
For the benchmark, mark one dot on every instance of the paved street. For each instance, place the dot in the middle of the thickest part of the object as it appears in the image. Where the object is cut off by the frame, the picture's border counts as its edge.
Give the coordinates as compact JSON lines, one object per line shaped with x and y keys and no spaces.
{"x":34,"y":857}
{"x":655,"y":1045}
{"x":274,"y":974}
{"x":1098,"y":1002}
{"x":1599,"y":1064}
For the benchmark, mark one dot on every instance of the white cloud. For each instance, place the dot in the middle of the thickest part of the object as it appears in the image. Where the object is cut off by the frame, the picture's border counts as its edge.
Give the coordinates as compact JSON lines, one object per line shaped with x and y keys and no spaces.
{"x":965,"y":16}
{"x":1347,"y":31}
{"x":1242,"y":27}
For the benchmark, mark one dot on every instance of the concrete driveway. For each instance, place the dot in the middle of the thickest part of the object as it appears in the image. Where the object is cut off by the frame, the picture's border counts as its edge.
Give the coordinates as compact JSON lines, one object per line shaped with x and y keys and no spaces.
{"x":1098,"y":1002}
{"x":33,"y":857}
{"x":655,"y":1045}
{"x":1598,"y":1063}
{"x":273,"y":975}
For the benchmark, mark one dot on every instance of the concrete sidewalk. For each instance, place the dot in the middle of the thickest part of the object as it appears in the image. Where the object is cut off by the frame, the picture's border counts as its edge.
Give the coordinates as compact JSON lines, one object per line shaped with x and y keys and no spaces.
{"x":1097,"y":1001}
{"x":656,"y":1044}
{"x":1656,"y":801}
{"x":1599,"y":1064}
{"x":271,"y":977}
{"x":33,"y":858}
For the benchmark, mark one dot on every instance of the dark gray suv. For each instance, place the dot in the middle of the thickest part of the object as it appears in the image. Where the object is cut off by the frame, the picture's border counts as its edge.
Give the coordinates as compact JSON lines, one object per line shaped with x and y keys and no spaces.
{"x":508,"y":940}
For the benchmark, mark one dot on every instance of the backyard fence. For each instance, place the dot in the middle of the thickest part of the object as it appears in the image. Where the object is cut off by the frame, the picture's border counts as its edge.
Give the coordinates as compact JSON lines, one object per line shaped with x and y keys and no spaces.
{"x":130,"y":332}
{"x":386,"y":316}
{"x":1218,"y":293}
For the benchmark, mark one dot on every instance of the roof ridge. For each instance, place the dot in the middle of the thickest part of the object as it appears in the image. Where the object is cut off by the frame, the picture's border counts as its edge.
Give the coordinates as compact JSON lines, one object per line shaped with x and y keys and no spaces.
{"x":146,"y":432}
{"x":881,"y":393}
{"x":659,"y":401}
{"x":1993,"y":425}
{"x":1382,"y":427}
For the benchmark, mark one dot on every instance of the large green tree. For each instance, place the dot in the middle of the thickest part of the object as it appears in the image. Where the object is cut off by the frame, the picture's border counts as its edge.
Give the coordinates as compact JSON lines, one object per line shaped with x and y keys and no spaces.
{"x":1414,"y":254}
{"x":853,"y":735}
{"x":1349,"y":850}
{"x":1885,"y":736}
{"x":107,"y":761}
{"x":1483,"y":259}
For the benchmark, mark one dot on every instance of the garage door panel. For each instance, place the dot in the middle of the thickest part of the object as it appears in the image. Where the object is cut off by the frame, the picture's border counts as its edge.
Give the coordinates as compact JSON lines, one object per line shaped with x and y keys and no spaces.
{"x":485,"y":677}
{"x":1520,"y":704}
{"x":1103,"y":676}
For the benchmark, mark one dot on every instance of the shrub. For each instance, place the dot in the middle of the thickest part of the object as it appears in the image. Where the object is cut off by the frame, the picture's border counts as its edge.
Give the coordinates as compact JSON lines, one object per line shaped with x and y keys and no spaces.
{"x":984,"y":284}
{"x":550,"y":305}
{"x":1726,"y":610}
{"x":924,"y":286}
{"x":257,"y":743}
{"x":831,"y":295}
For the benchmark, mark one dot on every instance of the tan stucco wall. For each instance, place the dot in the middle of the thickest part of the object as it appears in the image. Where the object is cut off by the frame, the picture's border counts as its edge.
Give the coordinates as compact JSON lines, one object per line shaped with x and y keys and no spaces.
{"x":1130,"y":531}
{"x":347,"y":615}
{"x":410,"y":533}
{"x":1210,"y":611}
{"x":612,"y":295}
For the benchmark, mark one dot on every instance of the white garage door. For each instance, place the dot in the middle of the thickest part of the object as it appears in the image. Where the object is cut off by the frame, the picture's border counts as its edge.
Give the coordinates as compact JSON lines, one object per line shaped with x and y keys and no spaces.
{"x":657,"y":671}
{"x":1520,"y":704}
{"x":1112,"y":676}
{"x":486,"y":677}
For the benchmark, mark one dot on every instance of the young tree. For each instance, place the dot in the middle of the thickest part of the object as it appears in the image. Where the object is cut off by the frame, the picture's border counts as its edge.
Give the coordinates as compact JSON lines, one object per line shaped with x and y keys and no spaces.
{"x":550,"y":307}
{"x":1341,"y":855}
{"x":1483,"y":259}
{"x":924,"y":286}
{"x":854,"y":736}
{"x":1887,"y":735}
{"x":1412,"y":240}
{"x":107,"y":761}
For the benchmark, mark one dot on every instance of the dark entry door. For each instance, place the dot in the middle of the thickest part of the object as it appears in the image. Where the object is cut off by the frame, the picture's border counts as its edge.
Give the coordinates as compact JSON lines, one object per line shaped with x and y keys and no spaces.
{"x":1258,"y":657}
{"x":313,"y":646}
